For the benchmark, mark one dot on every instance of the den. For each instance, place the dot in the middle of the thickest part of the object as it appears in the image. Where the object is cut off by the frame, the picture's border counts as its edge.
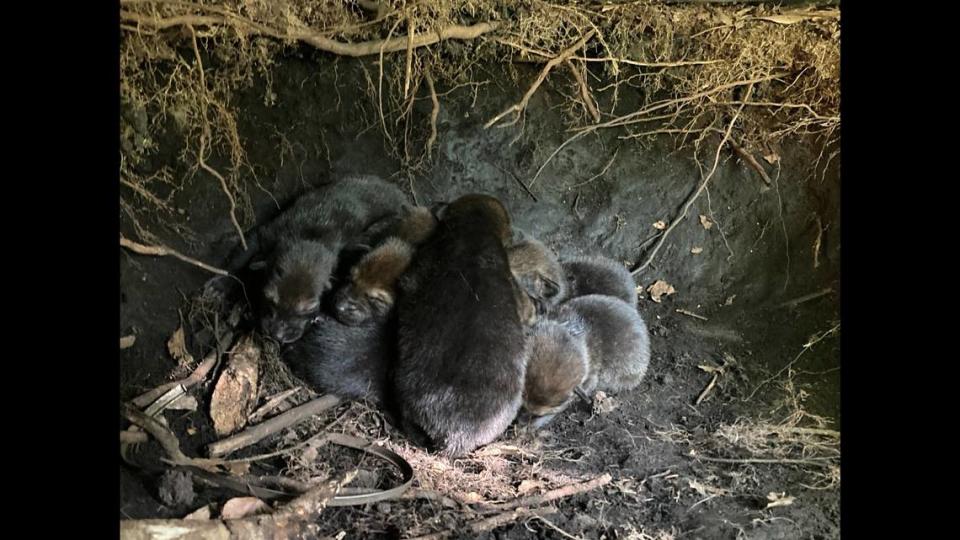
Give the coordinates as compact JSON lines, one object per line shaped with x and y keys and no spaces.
{"x":479,"y":269}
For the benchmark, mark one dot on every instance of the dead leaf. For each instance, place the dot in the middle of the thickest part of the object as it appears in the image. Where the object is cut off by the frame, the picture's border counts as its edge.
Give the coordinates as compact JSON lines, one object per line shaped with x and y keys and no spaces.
{"x":239,"y":468}
{"x":661,"y":225}
{"x":778,"y":499}
{"x":706,"y":222}
{"x":729,"y":301}
{"x":473,"y":497}
{"x":710,"y":369}
{"x":527,"y":486}
{"x":191,"y":431}
{"x":200,"y":514}
{"x":785,"y":18}
{"x":177,"y":346}
{"x":127,"y":341}
{"x":236,"y":391}
{"x":772,"y":158}
{"x":697,"y":250}
{"x":309,"y":455}
{"x":240,"y":507}
{"x":602,"y":403}
{"x":659,"y":289}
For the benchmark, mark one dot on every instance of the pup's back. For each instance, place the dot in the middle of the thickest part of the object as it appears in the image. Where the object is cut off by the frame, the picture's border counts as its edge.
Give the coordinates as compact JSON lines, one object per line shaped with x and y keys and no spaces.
{"x":460,"y":366}
{"x":616,"y":337}
{"x":538,"y":272}
{"x":351,"y":362}
{"x":599,"y":275}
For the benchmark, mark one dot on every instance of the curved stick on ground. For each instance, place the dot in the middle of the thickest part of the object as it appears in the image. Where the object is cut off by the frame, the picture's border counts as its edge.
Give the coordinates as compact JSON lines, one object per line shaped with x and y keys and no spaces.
{"x":254,"y":434}
{"x":554,"y":494}
{"x":486,"y":524}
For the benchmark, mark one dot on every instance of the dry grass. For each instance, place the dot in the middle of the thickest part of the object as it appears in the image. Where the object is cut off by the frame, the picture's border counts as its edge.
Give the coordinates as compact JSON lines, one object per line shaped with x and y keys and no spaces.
{"x":645,"y":69}
{"x":788,"y":436}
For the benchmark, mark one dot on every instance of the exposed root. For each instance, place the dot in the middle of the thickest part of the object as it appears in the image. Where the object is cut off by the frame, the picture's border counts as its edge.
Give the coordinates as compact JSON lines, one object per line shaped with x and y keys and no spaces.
{"x":163,"y":251}
{"x":693,"y":197}
{"x":518,"y":108}
{"x":434,"y":112}
{"x":585,"y":95}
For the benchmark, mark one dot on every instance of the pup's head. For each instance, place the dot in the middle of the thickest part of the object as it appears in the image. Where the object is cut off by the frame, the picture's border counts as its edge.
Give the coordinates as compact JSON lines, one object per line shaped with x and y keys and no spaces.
{"x":300,"y":274}
{"x":371,"y":292}
{"x":557,"y":364}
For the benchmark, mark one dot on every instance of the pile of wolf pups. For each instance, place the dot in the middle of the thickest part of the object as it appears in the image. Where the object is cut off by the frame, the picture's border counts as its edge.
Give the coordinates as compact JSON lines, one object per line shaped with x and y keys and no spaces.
{"x":451,"y":320}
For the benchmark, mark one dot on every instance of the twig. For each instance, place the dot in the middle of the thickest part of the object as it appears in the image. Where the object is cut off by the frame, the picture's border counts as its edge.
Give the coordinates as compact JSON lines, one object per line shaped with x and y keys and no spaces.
{"x":492,"y":522}
{"x":559,"y":531}
{"x":554,"y":494}
{"x":198,"y":375}
{"x":254,"y":434}
{"x":802,"y":461}
{"x":296,"y":519}
{"x":584,"y":91}
{"x":203,"y":144}
{"x":752,"y":161}
{"x":637,"y":116}
{"x":692,"y":314}
{"x":519,"y":181}
{"x":703,"y":395}
{"x":806,"y":347}
{"x":649,"y":64}
{"x":164,"y":251}
{"x":693,"y":197}
{"x":602,"y":171}
{"x":409,"y":69}
{"x":166,"y":438}
{"x":817,"y":243}
{"x":807,"y":297}
{"x":271,"y":404}
{"x":518,"y":108}
{"x":434,"y":113}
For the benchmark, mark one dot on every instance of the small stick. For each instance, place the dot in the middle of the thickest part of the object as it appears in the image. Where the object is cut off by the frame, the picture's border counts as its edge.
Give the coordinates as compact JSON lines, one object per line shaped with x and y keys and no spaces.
{"x":807,"y":297}
{"x":693,"y":196}
{"x":492,"y":522}
{"x":163,"y":251}
{"x":518,"y":108}
{"x":692,"y":314}
{"x":519,"y":181}
{"x":434,"y":113}
{"x":703,"y":395}
{"x":166,"y":438}
{"x":806,"y":347}
{"x":198,"y":375}
{"x":584,"y":91}
{"x":254,"y":434}
{"x":752,"y":161}
{"x":271,"y":404}
{"x":554,"y":494}
{"x":805,"y":461}
{"x":817,"y":243}
{"x":560,"y":531}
